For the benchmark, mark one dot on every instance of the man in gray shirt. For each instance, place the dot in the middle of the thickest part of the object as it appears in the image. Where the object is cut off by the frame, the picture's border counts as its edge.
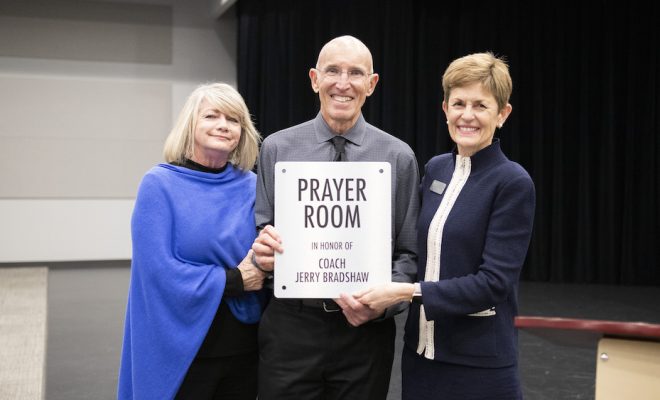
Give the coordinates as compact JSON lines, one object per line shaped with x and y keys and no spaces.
{"x":308,"y":348}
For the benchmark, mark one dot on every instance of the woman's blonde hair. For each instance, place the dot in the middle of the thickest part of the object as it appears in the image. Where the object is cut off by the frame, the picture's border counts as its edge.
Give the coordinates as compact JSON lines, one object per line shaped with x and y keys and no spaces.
{"x":179,"y":144}
{"x":492,"y":72}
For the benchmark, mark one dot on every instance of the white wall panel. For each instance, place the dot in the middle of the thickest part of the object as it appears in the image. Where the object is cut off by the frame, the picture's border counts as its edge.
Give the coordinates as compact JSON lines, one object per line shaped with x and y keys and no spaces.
{"x":94,"y":142}
{"x":65,"y":230}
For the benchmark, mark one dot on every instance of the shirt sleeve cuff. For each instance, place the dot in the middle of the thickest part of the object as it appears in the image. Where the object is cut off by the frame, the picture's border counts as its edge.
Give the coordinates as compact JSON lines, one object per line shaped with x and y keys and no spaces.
{"x":234,"y":283}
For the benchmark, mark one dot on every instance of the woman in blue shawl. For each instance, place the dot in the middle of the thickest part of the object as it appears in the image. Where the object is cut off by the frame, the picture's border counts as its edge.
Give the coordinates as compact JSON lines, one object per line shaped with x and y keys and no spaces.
{"x":194,"y":299}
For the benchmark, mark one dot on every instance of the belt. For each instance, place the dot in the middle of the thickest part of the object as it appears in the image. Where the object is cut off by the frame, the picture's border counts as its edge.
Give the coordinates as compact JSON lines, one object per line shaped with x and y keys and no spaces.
{"x":326,"y":305}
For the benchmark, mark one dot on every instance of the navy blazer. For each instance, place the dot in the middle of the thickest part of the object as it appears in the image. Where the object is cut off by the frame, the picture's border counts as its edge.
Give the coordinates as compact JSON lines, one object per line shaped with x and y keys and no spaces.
{"x":483,"y":247}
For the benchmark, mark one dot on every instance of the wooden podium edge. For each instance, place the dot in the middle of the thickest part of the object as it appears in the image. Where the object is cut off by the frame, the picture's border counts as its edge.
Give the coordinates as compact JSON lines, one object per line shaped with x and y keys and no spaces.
{"x":608,"y":328}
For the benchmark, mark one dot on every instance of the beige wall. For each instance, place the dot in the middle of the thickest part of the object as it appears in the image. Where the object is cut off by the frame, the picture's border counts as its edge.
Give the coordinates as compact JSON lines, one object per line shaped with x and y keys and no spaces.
{"x":88,"y":92}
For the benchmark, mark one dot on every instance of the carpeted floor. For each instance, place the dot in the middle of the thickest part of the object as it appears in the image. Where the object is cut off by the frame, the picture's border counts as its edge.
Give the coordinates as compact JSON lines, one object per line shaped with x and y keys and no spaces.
{"x":23,"y":294}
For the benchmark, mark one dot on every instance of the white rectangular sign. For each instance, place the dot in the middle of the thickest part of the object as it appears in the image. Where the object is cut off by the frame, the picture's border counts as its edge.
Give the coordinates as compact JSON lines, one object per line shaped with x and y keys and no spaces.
{"x":335,"y":222}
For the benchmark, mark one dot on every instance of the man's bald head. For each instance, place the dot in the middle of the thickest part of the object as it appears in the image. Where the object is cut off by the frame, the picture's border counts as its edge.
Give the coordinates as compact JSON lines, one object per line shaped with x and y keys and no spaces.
{"x":349,"y":44}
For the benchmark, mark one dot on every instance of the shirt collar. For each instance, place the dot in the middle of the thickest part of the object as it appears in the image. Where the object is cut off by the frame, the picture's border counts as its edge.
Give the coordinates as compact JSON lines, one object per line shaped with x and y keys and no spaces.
{"x":354,"y":135}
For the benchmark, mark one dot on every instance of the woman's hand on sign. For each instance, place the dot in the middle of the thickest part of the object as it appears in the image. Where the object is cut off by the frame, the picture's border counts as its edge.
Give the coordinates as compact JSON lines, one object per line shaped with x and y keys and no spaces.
{"x":385,"y":295}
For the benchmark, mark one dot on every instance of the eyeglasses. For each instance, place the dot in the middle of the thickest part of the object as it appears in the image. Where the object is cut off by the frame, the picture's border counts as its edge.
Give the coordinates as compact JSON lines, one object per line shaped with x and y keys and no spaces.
{"x":353,"y":74}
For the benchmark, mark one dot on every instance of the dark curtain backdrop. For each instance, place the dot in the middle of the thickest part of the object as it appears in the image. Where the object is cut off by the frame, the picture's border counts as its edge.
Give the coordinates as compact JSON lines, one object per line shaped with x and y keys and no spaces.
{"x":586,"y":107}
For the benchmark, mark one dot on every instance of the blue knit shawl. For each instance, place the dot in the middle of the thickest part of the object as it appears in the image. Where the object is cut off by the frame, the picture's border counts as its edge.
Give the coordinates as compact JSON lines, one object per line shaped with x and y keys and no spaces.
{"x":187,"y":228}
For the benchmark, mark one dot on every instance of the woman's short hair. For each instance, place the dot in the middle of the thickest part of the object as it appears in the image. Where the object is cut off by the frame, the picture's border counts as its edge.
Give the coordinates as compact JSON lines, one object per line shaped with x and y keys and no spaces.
{"x":492,"y":72}
{"x":179,"y":145}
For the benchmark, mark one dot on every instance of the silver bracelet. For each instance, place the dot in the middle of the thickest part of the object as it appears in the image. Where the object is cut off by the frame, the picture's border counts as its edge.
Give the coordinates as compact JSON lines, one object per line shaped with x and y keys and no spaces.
{"x":256,"y":264}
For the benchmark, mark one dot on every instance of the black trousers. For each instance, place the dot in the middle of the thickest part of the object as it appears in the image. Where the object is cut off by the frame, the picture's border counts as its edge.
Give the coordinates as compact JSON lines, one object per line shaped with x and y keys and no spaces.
{"x":221,"y":378}
{"x":306,"y":353}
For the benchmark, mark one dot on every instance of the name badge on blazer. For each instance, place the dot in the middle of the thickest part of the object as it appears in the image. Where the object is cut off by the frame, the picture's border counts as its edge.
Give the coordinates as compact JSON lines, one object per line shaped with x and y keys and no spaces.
{"x":438,"y":187}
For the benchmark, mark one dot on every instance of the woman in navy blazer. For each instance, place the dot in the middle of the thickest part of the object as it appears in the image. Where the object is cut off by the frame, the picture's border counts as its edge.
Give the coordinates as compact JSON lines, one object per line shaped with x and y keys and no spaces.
{"x":474,"y":229}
